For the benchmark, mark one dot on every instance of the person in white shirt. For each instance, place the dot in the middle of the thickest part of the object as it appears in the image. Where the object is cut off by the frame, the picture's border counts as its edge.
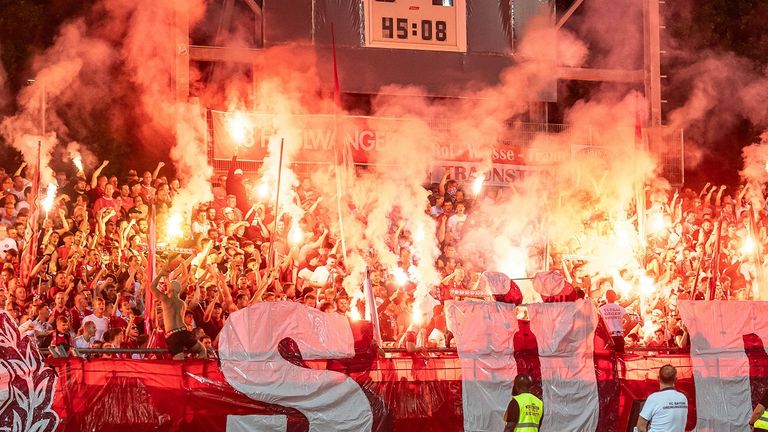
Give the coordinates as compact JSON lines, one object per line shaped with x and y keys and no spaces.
{"x":6,"y":243}
{"x":98,"y":318}
{"x":37,"y":328}
{"x":86,"y":338}
{"x":19,"y":184}
{"x":667,"y":409}
{"x":456,"y":221}
{"x":322,"y":276}
{"x":613,"y":315}
{"x":308,"y":270}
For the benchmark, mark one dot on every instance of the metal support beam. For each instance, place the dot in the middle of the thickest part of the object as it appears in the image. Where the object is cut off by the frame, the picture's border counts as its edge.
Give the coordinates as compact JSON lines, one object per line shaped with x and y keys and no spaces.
{"x":225,"y":21}
{"x":224,"y":54}
{"x":652,"y":52}
{"x":607,"y":75}
{"x":568,"y":13}
{"x":181,"y":65}
{"x":258,"y":16}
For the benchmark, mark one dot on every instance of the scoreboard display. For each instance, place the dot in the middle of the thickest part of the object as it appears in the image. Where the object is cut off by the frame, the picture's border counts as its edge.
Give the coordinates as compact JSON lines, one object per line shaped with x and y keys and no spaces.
{"x":433,"y":25}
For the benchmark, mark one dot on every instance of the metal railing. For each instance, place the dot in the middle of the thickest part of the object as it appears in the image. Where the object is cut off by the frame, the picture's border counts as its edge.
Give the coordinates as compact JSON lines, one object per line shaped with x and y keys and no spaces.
{"x":383,"y":350}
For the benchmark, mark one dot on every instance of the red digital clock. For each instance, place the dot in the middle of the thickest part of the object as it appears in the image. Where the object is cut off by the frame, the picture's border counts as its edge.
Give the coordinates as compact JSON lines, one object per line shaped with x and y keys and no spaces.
{"x":437,"y":25}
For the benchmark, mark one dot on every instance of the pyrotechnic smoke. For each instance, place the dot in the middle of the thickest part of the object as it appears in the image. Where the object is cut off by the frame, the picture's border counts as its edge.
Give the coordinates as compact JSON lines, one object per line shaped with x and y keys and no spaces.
{"x":5,"y":97}
{"x":719,"y":95}
{"x":50,"y":195}
{"x":189,"y":158}
{"x":755,"y":172}
{"x":104,"y":75}
{"x":79,"y":154}
{"x":139,"y":39}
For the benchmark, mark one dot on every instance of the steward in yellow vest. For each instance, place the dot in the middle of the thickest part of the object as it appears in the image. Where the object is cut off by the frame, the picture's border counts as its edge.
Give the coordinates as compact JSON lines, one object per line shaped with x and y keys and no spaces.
{"x":759,"y":419}
{"x":525,"y":411}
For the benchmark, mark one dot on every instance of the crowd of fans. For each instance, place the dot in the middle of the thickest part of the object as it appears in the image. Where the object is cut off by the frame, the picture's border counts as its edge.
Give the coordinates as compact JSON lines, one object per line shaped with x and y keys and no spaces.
{"x":85,"y":287}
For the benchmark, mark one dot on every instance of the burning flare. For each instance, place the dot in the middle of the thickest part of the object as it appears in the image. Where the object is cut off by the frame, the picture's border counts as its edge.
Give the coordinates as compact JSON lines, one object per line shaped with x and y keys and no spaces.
{"x":50,"y":196}
{"x":646,"y":285}
{"x":514,"y":265}
{"x":173,"y":227}
{"x":401,"y":278}
{"x":78,"y":161}
{"x":354,"y":314}
{"x":295,"y":235}
{"x":416,"y":315}
{"x":657,"y":224}
{"x":749,"y":246}
{"x":261,"y":190}
{"x":418,"y":235}
{"x":477,"y":185}
{"x":239,"y":128}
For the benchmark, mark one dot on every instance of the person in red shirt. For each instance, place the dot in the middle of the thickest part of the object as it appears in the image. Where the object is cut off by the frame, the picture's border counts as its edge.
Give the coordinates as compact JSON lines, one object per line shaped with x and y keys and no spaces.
{"x":213,"y":321}
{"x":60,"y":308}
{"x":454,"y":281}
{"x":59,"y":285}
{"x":121,"y":317}
{"x":62,"y":252}
{"x":106,"y":200}
{"x":61,"y":339}
{"x":80,"y":309}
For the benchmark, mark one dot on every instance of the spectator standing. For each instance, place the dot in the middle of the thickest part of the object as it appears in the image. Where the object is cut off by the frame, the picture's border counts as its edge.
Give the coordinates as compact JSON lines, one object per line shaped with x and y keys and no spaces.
{"x":667,"y":409}
{"x":98,"y":318}
{"x":38,"y":328}
{"x":525,"y":411}
{"x":759,"y":419}
{"x":613,"y":315}
{"x":87,"y":335}
{"x":177,"y":336}
{"x":61,"y":341}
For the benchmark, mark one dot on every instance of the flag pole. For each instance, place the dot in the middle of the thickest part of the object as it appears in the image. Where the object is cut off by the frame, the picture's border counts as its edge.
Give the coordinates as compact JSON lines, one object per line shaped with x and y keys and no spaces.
{"x":640,"y":200}
{"x":29,"y":254}
{"x":277,"y":206}
{"x":151,"y":273}
{"x":757,"y":257}
{"x":373,"y":310}
{"x":336,"y":105}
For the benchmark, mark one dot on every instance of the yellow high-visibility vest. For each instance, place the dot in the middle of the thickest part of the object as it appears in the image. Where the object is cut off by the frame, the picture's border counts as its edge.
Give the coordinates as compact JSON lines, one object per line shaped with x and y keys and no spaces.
{"x":531,"y":410}
{"x":762,"y":422}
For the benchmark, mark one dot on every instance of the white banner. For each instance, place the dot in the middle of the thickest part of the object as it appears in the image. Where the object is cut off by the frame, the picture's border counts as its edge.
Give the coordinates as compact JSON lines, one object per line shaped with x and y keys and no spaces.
{"x":720,"y":365}
{"x":565,"y":334}
{"x":251,"y":363}
{"x":484,"y":333}
{"x":260,"y":423}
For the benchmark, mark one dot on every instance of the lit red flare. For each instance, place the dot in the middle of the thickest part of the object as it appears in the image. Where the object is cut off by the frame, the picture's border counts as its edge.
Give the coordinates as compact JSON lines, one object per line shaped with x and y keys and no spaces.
{"x":401,"y":278}
{"x":477,"y":185}
{"x":239,"y":127}
{"x":173,"y":227}
{"x":50,"y":196}
{"x":78,"y":161}
{"x":261,"y":191}
{"x":748,"y":247}
{"x":295,"y":235}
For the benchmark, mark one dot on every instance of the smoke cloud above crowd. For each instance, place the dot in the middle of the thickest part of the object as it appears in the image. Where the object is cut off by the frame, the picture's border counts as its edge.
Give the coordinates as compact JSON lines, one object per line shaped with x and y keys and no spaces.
{"x":114,"y":70}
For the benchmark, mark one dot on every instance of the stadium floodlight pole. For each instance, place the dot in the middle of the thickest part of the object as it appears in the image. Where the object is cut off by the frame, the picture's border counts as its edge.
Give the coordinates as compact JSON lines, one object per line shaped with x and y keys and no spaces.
{"x":277,"y":204}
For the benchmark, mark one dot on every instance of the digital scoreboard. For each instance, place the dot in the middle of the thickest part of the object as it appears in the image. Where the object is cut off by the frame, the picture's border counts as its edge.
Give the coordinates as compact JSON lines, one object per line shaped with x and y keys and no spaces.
{"x":432,"y":25}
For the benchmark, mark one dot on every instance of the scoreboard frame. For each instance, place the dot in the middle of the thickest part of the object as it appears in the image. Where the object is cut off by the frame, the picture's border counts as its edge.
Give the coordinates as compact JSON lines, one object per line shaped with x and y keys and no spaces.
{"x":416,"y":25}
